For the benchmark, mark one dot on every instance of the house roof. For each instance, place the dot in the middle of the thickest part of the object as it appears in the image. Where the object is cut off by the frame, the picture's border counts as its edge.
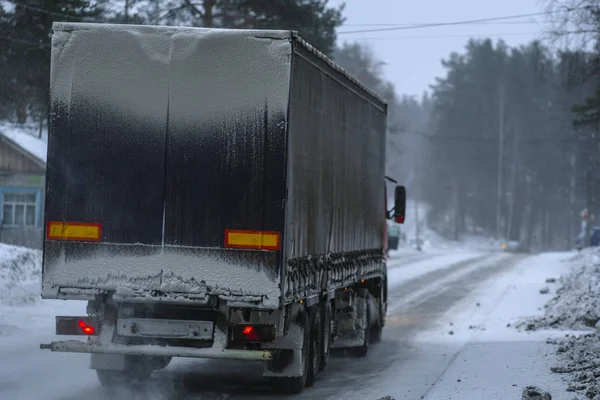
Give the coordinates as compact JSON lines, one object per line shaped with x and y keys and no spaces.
{"x":24,"y":137}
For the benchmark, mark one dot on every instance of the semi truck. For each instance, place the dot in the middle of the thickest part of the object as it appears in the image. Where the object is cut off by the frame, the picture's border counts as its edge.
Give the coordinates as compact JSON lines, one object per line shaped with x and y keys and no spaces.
{"x":213,"y":193}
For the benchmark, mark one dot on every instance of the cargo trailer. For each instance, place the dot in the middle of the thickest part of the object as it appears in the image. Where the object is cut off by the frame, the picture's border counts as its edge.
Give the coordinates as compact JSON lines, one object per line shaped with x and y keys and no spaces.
{"x":213,"y":194}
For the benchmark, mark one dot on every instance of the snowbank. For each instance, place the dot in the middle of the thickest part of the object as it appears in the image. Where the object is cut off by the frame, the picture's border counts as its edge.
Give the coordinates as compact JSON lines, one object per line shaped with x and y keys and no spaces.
{"x":574,"y":310}
{"x":26,"y":136}
{"x":576,"y":304}
{"x":20,"y":275}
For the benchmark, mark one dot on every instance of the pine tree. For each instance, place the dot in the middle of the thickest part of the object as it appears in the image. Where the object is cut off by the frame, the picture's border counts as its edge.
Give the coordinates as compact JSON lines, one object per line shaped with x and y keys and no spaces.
{"x":26,"y":50}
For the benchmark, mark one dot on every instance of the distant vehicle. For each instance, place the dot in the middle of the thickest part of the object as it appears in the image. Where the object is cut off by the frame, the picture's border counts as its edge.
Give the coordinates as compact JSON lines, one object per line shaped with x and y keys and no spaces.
{"x":515,"y":247}
{"x":213,"y":193}
{"x":594,"y":238}
{"x":417,"y":242}
{"x":393,"y":236}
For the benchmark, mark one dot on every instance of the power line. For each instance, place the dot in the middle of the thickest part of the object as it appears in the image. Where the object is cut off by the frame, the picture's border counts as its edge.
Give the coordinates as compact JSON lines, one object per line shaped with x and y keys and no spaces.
{"x":464,"y":22}
{"x":429,"y":23}
{"x":470,"y":138}
{"x":465,"y":35}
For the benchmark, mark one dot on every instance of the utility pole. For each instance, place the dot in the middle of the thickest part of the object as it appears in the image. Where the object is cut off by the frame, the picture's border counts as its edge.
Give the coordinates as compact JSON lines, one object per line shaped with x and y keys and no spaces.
{"x":513,"y":190}
{"x":126,"y":11}
{"x":500,"y":154}
{"x":456,"y":200}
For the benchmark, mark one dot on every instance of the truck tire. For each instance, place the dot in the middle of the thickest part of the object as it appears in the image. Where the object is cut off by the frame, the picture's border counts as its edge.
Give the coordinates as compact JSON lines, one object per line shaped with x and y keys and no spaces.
{"x":326,"y":347}
{"x":295,"y":384}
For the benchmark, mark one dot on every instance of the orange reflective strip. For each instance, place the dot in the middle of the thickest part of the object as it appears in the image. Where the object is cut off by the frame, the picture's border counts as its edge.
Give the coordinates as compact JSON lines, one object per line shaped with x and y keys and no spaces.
{"x":76,"y":231}
{"x":240,"y":239}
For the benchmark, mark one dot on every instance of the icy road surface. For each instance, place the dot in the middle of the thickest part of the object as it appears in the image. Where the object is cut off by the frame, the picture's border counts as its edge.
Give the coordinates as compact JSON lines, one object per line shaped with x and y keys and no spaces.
{"x":473,"y":294}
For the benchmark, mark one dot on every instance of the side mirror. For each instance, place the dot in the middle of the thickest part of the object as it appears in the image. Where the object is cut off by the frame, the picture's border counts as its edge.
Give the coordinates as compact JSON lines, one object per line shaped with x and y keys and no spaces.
{"x":400,"y":204}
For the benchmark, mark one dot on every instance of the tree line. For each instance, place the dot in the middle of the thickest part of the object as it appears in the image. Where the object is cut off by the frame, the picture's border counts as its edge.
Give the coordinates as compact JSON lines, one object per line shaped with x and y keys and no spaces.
{"x":510,"y":143}
{"x":501,"y":125}
{"x":505,"y":144}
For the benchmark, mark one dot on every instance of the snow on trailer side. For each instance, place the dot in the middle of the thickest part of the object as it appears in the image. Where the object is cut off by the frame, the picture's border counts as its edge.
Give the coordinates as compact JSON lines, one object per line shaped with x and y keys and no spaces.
{"x":336,"y":166}
{"x":162,"y":141}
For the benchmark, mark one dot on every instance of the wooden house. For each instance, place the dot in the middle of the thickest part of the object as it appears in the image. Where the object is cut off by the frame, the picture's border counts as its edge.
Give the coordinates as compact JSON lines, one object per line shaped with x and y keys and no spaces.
{"x":22,"y":172}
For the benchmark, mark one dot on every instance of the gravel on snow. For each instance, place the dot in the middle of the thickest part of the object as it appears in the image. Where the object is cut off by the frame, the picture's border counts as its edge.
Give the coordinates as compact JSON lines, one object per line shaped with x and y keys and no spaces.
{"x":575,"y":306}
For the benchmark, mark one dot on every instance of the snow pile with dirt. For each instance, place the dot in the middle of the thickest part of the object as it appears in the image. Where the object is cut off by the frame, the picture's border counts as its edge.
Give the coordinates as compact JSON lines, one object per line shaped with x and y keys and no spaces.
{"x":574,"y":308}
{"x":576,"y":301}
{"x":580,"y":362}
{"x":20,"y":275}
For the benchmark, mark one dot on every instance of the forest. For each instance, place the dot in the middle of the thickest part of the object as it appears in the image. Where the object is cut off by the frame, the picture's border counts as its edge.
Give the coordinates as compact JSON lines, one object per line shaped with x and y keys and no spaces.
{"x":504,"y":145}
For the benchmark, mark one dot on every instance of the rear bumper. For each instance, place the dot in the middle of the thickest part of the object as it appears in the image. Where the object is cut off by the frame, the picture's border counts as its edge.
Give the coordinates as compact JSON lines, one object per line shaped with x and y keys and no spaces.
{"x":76,"y":346}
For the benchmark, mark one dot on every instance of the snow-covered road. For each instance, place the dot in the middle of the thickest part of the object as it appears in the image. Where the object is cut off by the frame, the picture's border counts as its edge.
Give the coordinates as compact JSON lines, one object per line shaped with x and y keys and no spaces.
{"x":417,"y":358}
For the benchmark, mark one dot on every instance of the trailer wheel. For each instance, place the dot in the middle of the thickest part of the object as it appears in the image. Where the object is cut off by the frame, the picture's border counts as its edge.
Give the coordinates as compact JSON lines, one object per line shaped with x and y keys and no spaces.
{"x":326,"y":347}
{"x":295,"y":384}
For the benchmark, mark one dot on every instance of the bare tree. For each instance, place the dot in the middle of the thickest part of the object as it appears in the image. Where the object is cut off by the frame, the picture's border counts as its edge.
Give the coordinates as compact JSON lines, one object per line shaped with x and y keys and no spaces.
{"x":572,"y":23}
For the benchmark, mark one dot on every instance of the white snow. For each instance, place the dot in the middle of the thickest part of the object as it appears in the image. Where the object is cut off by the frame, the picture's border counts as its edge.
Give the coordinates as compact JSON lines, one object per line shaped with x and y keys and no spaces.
{"x":493,"y":360}
{"x":576,"y":304}
{"x":26,"y":136}
{"x":506,"y":300}
{"x":461,"y":266}
{"x":433,"y":241}
{"x":20,"y":271}
{"x":25,"y":322}
{"x":7,"y":6}
{"x":247,"y":275}
{"x":484,"y":358}
{"x":138,"y":69}
{"x":434,"y":262}
{"x":471,"y":351}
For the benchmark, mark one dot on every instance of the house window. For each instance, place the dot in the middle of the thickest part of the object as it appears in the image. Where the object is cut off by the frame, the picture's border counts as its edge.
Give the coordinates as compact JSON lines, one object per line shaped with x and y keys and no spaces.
{"x":19,"y":209}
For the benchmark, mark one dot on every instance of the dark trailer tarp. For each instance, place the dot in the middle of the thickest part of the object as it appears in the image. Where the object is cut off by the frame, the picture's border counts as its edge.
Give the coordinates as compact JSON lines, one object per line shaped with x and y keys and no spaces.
{"x":168,"y":137}
{"x":335,"y":213}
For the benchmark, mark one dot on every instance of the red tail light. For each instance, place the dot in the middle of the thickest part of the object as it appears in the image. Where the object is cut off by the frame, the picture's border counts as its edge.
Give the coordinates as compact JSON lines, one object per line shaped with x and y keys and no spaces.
{"x":253,"y":333}
{"x":250,"y":333}
{"x":77,"y":326}
{"x":87,"y":329}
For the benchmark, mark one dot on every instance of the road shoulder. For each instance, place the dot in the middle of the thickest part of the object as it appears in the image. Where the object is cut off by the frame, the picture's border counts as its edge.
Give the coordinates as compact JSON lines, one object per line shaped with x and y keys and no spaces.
{"x":494,"y":360}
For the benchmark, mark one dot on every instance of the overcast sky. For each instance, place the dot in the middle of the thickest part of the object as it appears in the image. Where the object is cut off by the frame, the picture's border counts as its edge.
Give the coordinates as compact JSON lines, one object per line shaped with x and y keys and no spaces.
{"x":413,"y":56}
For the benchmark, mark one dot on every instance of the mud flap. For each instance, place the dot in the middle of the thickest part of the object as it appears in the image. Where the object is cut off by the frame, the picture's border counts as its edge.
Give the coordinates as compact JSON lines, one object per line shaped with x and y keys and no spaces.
{"x":114,"y":362}
{"x":352,"y":324}
{"x":293,"y":367}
